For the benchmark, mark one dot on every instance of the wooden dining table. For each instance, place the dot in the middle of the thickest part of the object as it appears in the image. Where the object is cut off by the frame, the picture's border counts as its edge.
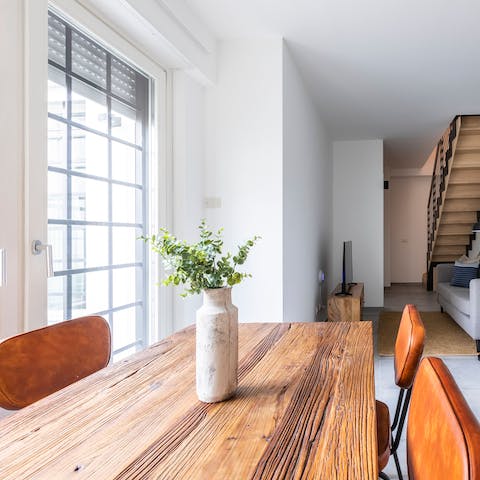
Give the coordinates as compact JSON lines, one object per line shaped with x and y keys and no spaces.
{"x":304,"y":409}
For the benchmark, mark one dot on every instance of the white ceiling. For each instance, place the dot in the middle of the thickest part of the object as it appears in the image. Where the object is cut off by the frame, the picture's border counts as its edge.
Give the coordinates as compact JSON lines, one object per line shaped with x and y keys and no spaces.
{"x":398,"y":70}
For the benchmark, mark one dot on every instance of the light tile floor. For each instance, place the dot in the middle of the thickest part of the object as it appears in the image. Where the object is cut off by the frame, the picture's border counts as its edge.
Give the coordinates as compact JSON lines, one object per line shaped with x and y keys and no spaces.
{"x":465,"y":370}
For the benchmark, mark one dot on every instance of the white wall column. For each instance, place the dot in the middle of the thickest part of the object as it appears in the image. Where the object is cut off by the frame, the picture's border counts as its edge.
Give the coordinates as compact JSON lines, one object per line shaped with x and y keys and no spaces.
{"x":358,"y":213}
{"x":307,"y":199}
{"x":244,"y":167}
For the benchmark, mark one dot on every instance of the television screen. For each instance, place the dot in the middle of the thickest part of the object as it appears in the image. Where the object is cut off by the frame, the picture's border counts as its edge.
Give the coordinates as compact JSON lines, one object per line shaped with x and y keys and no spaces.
{"x":348,"y":266}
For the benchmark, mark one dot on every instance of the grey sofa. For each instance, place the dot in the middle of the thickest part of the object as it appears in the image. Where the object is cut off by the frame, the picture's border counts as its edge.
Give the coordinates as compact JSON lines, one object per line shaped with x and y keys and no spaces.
{"x":463,"y":304}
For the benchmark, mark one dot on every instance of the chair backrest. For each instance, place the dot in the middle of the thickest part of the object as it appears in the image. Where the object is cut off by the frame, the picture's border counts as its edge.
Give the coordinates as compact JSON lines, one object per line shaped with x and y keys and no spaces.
{"x":408,"y":346}
{"x":443,"y":435}
{"x":38,"y":363}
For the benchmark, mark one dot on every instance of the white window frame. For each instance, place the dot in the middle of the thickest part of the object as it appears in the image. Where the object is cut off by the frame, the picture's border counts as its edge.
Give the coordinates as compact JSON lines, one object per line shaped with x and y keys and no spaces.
{"x":160,"y":308}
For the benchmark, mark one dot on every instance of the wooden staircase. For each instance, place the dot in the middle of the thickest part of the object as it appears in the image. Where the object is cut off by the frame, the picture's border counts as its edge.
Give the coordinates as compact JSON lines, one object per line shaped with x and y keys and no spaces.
{"x":454,"y":202}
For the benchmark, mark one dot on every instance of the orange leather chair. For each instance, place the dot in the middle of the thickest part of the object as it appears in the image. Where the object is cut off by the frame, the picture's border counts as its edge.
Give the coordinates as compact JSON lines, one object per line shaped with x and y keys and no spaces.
{"x":38,"y":363}
{"x":443,"y":435}
{"x":408,"y":352}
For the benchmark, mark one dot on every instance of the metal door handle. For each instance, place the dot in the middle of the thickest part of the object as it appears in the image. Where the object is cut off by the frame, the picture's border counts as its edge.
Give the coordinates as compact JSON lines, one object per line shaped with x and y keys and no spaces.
{"x":3,"y":267}
{"x":37,"y":248}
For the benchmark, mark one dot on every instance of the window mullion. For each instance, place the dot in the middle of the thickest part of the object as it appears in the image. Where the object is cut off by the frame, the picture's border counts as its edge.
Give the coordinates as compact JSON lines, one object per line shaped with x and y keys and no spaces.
{"x":68,"y":82}
{"x":110,"y":199}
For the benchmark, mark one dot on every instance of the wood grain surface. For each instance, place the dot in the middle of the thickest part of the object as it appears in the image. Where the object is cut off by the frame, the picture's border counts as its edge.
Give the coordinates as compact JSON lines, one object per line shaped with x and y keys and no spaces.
{"x":305,"y":408}
{"x":346,"y":308}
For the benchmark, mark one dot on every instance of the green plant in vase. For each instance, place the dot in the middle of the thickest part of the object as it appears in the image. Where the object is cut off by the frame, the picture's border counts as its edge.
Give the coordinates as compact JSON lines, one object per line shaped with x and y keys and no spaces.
{"x":202,"y":265}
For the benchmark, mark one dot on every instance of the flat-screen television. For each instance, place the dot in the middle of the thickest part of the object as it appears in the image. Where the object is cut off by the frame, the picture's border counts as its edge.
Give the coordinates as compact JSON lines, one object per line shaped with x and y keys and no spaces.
{"x":347,"y":269}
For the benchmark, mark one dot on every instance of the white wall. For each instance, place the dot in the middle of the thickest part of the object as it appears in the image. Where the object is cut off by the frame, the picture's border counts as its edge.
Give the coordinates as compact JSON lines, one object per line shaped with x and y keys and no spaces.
{"x":358,"y":213}
{"x":307,"y":198}
{"x":11,"y":164}
{"x":408,"y":227}
{"x":188,"y":177}
{"x":387,"y":269}
{"x":244,"y":166}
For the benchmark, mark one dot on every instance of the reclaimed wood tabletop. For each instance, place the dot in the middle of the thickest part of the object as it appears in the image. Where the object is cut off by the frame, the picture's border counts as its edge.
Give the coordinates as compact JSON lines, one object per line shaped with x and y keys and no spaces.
{"x":304,"y":409}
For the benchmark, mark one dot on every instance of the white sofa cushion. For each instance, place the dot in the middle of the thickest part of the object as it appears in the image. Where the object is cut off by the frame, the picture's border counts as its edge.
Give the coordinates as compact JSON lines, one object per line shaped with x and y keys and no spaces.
{"x":458,"y":296}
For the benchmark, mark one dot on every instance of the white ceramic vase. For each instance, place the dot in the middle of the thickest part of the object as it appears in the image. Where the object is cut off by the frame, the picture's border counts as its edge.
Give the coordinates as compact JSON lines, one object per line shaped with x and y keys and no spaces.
{"x":216,"y":346}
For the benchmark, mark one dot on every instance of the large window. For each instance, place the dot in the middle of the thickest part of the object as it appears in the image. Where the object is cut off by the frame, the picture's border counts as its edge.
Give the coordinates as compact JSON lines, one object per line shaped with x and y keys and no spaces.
{"x":98,"y":115}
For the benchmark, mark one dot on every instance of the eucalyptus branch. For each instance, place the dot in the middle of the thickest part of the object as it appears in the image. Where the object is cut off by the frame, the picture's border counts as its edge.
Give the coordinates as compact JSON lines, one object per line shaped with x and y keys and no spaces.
{"x":200,"y":265}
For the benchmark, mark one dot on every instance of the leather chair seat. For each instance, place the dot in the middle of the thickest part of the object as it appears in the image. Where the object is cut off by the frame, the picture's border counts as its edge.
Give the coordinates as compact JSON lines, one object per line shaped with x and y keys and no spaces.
{"x":383,"y":434}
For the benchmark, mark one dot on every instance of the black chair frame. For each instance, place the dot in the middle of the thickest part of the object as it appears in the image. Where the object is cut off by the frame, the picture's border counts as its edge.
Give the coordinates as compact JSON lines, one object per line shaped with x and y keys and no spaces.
{"x":397,"y":428}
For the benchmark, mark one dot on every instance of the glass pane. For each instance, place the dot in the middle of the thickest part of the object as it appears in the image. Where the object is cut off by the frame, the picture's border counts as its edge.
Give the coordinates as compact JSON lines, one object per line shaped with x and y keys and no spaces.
{"x":57,"y":237}
{"x":126,"y":204}
{"x":78,"y":144}
{"x":57,"y":287}
{"x":124,"y":331}
{"x":89,"y":200}
{"x":125,"y":166}
{"x":89,"y":60}
{"x":57,"y":92}
{"x":56,"y":40}
{"x":89,"y":153}
{"x":89,"y":106}
{"x":89,"y":293}
{"x":124,"y":354}
{"x":57,"y":195}
{"x":79,"y":250}
{"x":124,"y":123}
{"x":126,"y":247}
{"x":127,"y":285}
{"x":89,"y":246}
{"x":57,"y":144}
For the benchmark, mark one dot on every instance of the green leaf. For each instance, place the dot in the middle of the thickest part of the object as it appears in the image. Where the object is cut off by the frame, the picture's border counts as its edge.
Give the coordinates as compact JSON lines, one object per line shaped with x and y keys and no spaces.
{"x":199,"y":265}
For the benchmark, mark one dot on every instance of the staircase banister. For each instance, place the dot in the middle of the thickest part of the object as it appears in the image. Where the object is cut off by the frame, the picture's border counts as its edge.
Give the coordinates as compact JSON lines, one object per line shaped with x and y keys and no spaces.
{"x":433,"y":175}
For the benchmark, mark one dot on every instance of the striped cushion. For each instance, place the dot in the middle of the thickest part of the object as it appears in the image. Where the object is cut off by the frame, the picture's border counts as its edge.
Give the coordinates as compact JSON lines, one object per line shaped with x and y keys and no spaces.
{"x":463,"y":273}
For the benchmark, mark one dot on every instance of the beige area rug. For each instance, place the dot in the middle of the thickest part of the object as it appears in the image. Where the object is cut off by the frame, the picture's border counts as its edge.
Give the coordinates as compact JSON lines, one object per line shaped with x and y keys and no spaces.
{"x":443,"y":335}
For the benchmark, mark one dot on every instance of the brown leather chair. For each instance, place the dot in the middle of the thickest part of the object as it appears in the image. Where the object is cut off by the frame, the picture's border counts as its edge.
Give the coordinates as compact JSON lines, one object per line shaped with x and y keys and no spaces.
{"x":408,"y":352}
{"x":38,"y":363}
{"x":443,"y":435}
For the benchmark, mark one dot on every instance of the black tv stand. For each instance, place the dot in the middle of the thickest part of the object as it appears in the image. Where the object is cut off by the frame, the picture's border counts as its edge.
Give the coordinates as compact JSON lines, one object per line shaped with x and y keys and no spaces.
{"x":345,"y":291}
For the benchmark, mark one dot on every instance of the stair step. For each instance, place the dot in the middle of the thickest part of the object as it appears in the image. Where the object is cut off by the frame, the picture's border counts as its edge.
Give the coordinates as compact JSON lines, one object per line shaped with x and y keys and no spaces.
{"x":475,"y":130}
{"x":466,"y":160}
{"x":464,"y":191}
{"x":449,"y":250}
{"x":453,"y":240}
{"x":467,"y":142}
{"x":470,"y":121}
{"x":444,"y":258}
{"x":465,"y":149}
{"x":462,"y":205}
{"x":464,"y":176}
{"x":455,"y":229}
{"x":459,"y":217}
